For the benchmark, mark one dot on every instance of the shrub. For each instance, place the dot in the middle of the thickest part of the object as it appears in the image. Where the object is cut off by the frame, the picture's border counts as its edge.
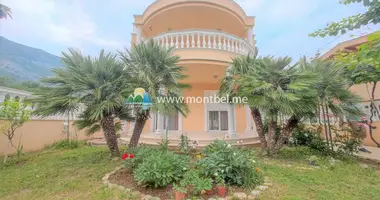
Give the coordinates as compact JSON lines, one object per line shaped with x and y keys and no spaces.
{"x":184,"y":145}
{"x":236,"y":166}
{"x":140,"y":152}
{"x":303,"y":137}
{"x":196,"y":182}
{"x":160,"y":169}
{"x":66,"y":144}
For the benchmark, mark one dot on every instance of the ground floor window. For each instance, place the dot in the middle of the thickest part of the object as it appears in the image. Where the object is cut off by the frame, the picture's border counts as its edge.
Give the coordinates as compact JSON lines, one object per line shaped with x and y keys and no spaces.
{"x":173,"y":122}
{"x":218,"y":120}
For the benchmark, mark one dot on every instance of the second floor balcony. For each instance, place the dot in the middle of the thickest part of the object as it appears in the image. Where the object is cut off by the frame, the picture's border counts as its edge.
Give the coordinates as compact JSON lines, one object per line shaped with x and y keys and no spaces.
{"x":205,"y":40}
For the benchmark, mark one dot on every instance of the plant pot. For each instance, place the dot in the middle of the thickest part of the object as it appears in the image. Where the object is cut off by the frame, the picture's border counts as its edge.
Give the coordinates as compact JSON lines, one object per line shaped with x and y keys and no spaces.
{"x":210,"y":192}
{"x":222,"y":191}
{"x":179,"y":195}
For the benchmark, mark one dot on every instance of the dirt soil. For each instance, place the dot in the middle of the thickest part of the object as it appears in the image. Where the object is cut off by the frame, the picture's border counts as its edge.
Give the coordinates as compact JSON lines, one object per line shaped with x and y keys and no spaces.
{"x":124,"y":177}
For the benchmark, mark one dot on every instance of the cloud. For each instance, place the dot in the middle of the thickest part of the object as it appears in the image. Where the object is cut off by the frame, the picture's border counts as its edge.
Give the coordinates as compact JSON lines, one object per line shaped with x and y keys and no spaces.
{"x":62,"y":22}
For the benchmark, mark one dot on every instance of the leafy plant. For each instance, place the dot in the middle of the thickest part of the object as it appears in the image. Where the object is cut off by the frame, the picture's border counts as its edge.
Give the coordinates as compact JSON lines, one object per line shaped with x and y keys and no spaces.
{"x":164,"y":145}
{"x":66,"y":144}
{"x":15,"y":114}
{"x":141,"y":152}
{"x":184,"y":144}
{"x":179,"y":188}
{"x":196,"y":182}
{"x":161,"y":169}
{"x":230,"y":163}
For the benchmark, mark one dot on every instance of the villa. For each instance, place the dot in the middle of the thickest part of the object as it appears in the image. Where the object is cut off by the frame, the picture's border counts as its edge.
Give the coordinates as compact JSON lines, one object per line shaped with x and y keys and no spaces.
{"x":206,"y":34}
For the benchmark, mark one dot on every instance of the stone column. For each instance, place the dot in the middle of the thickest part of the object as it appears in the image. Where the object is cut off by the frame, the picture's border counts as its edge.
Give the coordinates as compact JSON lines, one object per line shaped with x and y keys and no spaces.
{"x":250,"y":36}
{"x":137,"y":30}
{"x":160,"y":124}
{"x":231,"y":119}
{"x":131,"y":128}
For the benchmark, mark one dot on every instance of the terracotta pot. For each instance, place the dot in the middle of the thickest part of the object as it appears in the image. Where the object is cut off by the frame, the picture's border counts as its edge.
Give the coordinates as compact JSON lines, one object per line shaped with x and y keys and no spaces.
{"x":210,"y":192}
{"x":222,"y":191}
{"x":179,"y":195}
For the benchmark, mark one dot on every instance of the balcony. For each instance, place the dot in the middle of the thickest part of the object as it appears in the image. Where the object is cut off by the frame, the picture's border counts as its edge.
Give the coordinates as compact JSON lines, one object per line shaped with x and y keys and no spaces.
{"x":204,"y":40}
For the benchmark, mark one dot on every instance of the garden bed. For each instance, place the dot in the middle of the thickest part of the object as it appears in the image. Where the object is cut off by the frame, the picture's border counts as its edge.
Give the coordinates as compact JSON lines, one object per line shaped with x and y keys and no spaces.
{"x":124,"y":177}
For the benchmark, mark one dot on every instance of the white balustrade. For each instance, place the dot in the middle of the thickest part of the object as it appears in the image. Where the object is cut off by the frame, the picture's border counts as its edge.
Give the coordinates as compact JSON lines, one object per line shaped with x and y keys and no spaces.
{"x":199,"y":39}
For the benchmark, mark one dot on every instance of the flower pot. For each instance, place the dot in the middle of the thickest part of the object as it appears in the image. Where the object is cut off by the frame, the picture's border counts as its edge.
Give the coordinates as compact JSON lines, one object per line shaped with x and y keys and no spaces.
{"x":222,"y":191}
{"x":210,"y":192}
{"x":179,"y":195}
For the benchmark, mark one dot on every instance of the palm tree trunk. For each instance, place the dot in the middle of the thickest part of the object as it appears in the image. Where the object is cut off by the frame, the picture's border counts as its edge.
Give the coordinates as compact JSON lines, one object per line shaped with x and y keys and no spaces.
{"x":329,"y":126}
{"x":271,"y":143}
{"x":291,"y":124}
{"x":324,"y":123}
{"x":109,"y":130}
{"x":141,"y":119}
{"x":256,"y":115}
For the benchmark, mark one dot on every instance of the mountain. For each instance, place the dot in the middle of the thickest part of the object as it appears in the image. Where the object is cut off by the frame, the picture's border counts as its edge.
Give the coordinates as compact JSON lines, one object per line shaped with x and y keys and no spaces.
{"x":25,"y":63}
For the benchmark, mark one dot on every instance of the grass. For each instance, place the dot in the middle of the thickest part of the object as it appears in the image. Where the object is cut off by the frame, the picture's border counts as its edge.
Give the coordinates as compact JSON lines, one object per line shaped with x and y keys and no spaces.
{"x":76,"y":174}
{"x":60,"y":174}
{"x":294,"y":179}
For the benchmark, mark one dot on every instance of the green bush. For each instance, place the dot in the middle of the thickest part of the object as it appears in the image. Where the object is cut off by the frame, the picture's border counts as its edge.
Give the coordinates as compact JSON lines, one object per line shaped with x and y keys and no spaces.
{"x":160,"y":169}
{"x":303,"y":137}
{"x":140,"y":152}
{"x":65,"y":144}
{"x":236,"y":166}
{"x":195,"y":181}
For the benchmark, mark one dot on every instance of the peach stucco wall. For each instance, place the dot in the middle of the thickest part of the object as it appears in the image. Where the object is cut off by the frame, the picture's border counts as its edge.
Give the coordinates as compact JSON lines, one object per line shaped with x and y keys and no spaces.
{"x":195,"y":121}
{"x":36,"y":134}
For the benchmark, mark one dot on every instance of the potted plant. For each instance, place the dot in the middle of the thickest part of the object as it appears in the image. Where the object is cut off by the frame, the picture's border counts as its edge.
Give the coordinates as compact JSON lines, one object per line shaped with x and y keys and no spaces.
{"x":221,"y":188}
{"x":179,"y":192}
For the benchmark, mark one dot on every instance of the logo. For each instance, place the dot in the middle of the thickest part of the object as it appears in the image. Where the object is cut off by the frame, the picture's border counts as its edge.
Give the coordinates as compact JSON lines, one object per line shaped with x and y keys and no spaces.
{"x":140,"y":98}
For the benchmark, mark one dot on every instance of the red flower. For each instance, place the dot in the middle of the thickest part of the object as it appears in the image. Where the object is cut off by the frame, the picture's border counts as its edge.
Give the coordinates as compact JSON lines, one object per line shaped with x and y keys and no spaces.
{"x":131,"y":156}
{"x":125,"y":156}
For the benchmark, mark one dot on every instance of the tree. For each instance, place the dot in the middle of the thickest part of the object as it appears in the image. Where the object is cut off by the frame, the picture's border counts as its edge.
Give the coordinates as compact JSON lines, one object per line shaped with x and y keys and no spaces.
{"x":94,"y":88}
{"x":155,"y":69}
{"x":279,"y":94}
{"x":364,"y":68}
{"x":15,"y":114}
{"x":5,"y":12}
{"x":372,"y":15}
{"x":333,"y":95}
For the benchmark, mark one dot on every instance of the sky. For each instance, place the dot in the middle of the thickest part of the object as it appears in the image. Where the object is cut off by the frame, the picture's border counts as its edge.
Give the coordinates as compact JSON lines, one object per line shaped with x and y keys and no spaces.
{"x":282,"y":26}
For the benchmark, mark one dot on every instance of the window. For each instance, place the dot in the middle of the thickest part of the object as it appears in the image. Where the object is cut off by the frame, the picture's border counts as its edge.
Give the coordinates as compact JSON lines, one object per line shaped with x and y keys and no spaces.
{"x":218,"y":120}
{"x":173,"y":122}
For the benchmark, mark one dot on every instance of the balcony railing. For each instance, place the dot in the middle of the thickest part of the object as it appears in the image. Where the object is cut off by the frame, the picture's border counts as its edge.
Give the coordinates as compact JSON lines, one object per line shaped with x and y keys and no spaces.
{"x":204,"y":39}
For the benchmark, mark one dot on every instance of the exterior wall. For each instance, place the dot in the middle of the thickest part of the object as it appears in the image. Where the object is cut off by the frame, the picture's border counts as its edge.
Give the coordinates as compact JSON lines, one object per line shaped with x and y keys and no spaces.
{"x":195,"y":121}
{"x":376,"y":134}
{"x":36,"y":134}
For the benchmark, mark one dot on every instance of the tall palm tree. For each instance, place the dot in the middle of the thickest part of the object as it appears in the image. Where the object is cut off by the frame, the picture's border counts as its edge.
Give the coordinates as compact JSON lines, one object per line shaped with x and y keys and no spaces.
{"x":332,"y":91}
{"x":5,"y":12}
{"x":95,"y":88}
{"x":155,"y":69}
{"x":275,"y":91}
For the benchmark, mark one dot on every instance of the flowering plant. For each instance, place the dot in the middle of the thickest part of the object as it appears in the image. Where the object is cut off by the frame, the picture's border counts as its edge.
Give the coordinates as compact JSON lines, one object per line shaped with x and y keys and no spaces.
{"x":126,"y":155}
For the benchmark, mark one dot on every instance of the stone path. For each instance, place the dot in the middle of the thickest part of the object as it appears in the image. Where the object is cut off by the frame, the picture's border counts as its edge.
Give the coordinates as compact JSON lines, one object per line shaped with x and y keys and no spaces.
{"x":374,"y":156}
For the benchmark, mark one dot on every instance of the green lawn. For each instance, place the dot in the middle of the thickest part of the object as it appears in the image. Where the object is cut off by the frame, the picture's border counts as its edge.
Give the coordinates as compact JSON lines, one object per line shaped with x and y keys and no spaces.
{"x":76,"y":174}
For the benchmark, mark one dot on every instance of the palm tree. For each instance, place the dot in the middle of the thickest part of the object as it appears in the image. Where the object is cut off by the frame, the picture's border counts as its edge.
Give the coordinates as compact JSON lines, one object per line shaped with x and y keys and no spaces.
{"x":95,"y":88}
{"x":5,"y":12}
{"x":155,"y":69}
{"x":276,"y":92}
{"x":332,"y":92}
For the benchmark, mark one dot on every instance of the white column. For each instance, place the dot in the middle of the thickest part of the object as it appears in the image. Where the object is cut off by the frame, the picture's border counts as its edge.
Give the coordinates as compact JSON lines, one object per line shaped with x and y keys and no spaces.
{"x":250,"y":34}
{"x":160,"y":124}
{"x":131,"y":128}
{"x":137,"y":30}
{"x":231,"y":119}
